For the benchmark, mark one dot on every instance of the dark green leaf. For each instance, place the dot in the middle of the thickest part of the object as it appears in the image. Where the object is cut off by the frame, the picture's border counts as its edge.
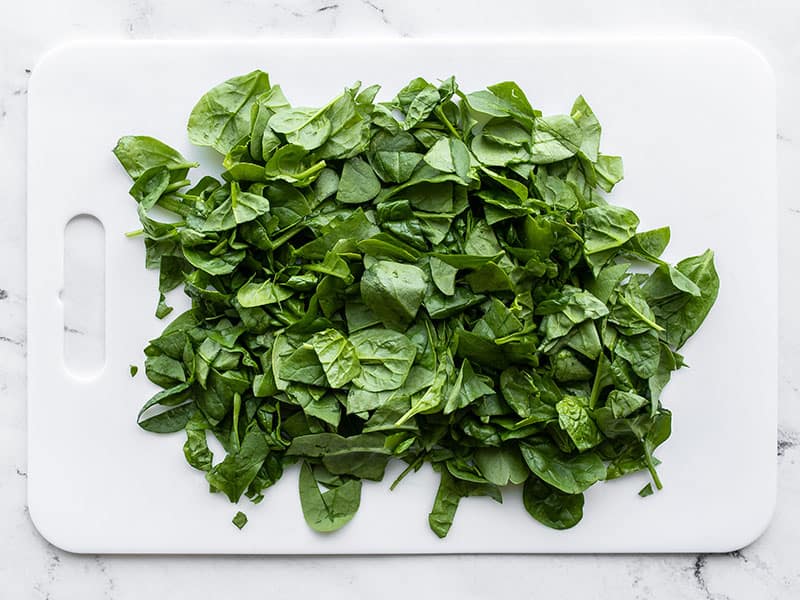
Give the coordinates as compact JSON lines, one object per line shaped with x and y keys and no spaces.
{"x":550,"y":506}
{"x":330,"y":510}
{"x":571,"y":474}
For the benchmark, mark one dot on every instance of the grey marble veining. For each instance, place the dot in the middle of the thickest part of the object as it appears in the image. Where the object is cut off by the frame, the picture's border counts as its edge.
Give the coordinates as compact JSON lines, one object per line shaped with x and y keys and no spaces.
{"x":31,"y":568}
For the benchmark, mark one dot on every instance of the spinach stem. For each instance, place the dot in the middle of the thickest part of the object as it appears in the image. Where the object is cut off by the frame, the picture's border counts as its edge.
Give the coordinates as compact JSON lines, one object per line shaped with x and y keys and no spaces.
{"x":177,"y":185}
{"x":174,"y":205}
{"x":440,"y":114}
{"x":411,"y":467}
{"x":596,"y":385}
{"x":652,"y":468}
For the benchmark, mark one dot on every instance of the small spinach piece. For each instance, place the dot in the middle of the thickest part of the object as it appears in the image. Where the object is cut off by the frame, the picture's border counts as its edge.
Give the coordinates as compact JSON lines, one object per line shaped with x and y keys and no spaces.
{"x":239,"y":519}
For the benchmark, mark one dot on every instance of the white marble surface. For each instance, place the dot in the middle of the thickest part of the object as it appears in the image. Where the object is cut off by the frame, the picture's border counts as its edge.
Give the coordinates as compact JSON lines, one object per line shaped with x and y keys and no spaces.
{"x":31,"y":568}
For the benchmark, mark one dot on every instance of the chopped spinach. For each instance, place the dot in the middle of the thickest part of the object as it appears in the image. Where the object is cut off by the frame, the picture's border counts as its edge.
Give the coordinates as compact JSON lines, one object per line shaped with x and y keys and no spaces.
{"x":239,"y":519}
{"x":434,"y":278}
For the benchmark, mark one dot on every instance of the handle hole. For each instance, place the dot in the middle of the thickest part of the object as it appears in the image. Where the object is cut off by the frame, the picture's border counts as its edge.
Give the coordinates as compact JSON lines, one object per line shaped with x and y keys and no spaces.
{"x":83,"y":296}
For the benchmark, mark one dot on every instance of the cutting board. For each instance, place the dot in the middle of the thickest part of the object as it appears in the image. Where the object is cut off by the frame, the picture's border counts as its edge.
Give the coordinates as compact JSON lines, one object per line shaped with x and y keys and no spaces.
{"x":694,"y":120}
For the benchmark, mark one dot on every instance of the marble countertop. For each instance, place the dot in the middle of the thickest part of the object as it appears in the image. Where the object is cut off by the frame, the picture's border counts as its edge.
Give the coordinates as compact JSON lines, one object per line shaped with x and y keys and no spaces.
{"x":32,"y":568}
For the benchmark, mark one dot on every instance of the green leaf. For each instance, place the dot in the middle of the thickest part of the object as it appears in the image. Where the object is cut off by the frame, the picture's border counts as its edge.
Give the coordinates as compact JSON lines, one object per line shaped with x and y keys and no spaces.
{"x":622,"y":403}
{"x":394,"y":292}
{"x":550,"y":506}
{"x":642,"y":351}
{"x":302,"y":365}
{"x":574,"y":418}
{"x":609,"y":171}
{"x":237,"y":470}
{"x":532,"y":402}
{"x":466,"y":389}
{"x":491,"y":151}
{"x":305,"y":127}
{"x":139,"y":153}
{"x":239,"y":519}
{"x":504,"y":99}
{"x":150,"y":186}
{"x":607,"y":227}
{"x":211,"y":264}
{"x":571,"y":474}
{"x":364,"y":455}
{"x":222,"y":116}
{"x":683,"y":315}
{"x":336,"y":355}
{"x":164,"y":371}
{"x":394,"y":166}
{"x":259,"y":294}
{"x":316,"y":402}
{"x":330,"y":510}
{"x":358,"y":183}
{"x":385,"y":357}
{"x":501,"y":466}
{"x":171,"y":420}
{"x":449,"y":494}
{"x":443,"y":275}
{"x":417,"y":100}
{"x":450,"y":155}
{"x":293,"y":164}
{"x":196,"y":447}
{"x":590,"y":128}
{"x":555,"y":138}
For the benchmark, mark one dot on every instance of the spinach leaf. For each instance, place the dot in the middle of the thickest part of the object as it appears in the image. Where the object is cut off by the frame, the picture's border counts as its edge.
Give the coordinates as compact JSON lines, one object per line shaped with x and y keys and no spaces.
{"x":337,"y":356}
{"x":233,"y":475}
{"x":139,"y":153}
{"x":501,"y":466}
{"x":504,"y":99}
{"x":607,"y":227}
{"x":239,"y":519}
{"x":573,"y":417}
{"x":449,"y":494}
{"x":555,"y":138}
{"x":305,"y":127}
{"x":682,"y":313}
{"x":449,"y":155}
{"x":385,"y":357}
{"x":222,"y":116}
{"x":571,"y":474}
{"x":363,"y":455}
{"x":590,"y":128}
{"x":358,"y":183}
{"x":196,"y":447}
{"x":329,"y":510}
{"x":550,"y":506}
{"x":394,"y":292}
{"x":259,"y":294}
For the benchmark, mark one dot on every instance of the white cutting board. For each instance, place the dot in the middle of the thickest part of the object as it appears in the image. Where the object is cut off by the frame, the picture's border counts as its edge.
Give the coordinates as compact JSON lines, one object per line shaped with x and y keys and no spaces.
{"x":695,"y":122}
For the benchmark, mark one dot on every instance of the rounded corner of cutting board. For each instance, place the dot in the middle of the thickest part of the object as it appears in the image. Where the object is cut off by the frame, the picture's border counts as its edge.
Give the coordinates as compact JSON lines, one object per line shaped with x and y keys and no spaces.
{"x":52,"y":60}
{"x":51,"y":528}
{"x":750,"y":53}
{"x":750,"y":531}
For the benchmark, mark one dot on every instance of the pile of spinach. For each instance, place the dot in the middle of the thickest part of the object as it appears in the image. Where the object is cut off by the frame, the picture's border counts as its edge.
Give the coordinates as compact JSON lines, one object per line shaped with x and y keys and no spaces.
{"x":437,"y":278}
